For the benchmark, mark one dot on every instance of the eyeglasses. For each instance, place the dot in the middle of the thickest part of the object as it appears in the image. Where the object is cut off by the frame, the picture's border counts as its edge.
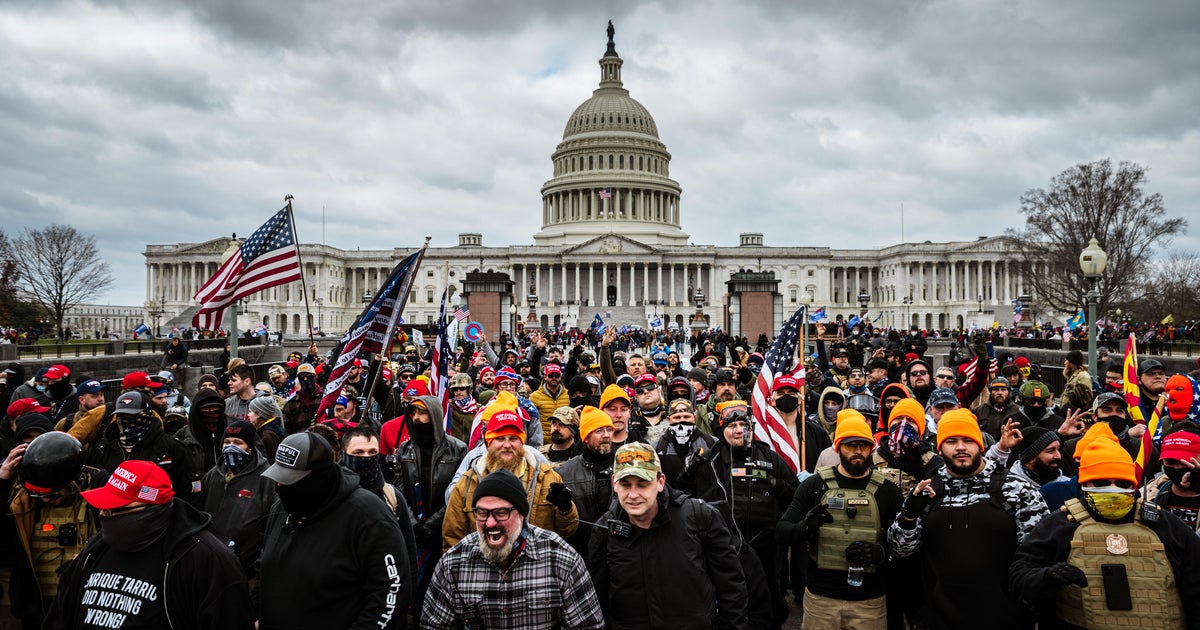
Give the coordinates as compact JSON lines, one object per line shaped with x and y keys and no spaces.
{"x":500,"y":514}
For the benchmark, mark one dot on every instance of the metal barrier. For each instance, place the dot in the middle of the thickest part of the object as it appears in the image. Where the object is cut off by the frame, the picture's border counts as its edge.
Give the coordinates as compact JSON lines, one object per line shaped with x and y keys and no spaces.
{"x":87,"y":348}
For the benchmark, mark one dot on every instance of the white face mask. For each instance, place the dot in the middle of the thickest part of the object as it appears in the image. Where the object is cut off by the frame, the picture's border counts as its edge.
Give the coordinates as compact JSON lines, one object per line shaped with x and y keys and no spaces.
{"x":682,"y":432}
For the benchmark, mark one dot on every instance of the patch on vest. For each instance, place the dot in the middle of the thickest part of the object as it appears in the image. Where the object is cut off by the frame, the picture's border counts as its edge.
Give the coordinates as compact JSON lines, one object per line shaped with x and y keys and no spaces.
{"x":857,"y":502}
{"x":1116,"y":544}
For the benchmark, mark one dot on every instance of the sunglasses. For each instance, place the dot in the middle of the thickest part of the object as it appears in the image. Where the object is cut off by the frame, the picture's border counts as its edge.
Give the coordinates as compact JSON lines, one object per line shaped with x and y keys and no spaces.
{"x":645,"y":388}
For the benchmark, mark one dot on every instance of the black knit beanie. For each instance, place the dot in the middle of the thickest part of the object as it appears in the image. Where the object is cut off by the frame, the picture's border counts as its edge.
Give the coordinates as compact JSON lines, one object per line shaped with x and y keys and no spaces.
{"x":1034,"y":440}
{"x":502,"y":484}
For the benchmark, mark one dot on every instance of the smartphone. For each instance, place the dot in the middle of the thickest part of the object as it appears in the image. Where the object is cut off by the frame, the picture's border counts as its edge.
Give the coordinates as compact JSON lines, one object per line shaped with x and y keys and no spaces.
{"x":1116,"y":587}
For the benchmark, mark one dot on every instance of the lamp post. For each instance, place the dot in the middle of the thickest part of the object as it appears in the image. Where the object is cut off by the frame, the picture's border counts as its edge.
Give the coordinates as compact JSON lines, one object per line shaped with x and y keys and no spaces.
{"x":1092,"y":261}
{"x":512,"y":320}
{"x":979,"y":298}
{"x":908,"y":300}
{"x":320,"y":315}
{"x":733,"y":311}
{"x":864,"y":298}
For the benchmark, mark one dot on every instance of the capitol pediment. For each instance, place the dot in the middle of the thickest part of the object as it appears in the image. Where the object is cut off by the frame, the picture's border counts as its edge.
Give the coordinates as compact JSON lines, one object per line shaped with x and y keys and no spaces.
{"x":611,"y":244}
{"x":215,"y":246}
{"x":992,"y":244}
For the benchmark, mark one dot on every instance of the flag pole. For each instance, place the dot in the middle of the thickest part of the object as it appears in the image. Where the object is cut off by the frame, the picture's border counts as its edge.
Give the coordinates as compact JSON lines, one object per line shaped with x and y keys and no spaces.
{"x":391,"y":331}
{"x":802,"y":418}
{"x":303,"y":284}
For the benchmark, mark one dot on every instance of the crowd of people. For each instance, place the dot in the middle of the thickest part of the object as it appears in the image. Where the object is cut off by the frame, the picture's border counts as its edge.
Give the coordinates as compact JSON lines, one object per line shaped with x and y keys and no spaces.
{"x":599,"y":480}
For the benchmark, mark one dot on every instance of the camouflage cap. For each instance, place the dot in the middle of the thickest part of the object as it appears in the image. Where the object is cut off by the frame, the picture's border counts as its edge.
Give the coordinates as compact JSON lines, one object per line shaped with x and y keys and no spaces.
{"x":636,"y":459}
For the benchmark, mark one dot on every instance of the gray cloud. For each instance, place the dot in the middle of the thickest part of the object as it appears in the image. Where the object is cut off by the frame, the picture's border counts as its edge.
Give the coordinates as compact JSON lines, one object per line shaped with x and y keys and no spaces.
{"x":812,"y":122}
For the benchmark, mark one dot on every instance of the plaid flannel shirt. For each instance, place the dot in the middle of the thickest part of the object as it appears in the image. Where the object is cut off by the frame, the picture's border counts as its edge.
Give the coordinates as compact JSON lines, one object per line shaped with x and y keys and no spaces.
{"x":546,"y":586}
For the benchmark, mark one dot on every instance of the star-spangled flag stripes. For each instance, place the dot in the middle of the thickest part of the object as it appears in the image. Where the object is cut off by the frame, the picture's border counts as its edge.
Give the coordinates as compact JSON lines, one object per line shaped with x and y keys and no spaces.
{"x":443,"y":352}
{"x":780,"y":360}
{"x":606,"y":193}
{"x":462,"y":314}
{"x":370,"y":333}
{"x":267,"y":259}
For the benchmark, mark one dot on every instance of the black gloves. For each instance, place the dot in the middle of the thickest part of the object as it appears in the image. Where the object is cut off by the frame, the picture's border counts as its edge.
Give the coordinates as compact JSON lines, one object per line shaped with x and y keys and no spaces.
{"x":816,"y":517}
{"x":1062,"y":574}
{"x":915,"y":505}
{"x":861,"y":553}
{"x":560,"y":495}
{"x":420,"y":532}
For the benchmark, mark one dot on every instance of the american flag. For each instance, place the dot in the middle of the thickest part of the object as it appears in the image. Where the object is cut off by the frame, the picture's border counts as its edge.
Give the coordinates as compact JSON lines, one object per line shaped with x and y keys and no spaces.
{"x":267,"y":259}
{"x":372,"y":330}
{"x":605,"y":193}
{"x":462,"y":314}
{"x":443,"y":353}
{"x":780,"y":361}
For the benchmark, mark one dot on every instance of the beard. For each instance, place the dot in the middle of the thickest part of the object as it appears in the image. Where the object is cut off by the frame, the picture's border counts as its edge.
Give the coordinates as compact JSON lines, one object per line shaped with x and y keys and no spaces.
{"x":560,"y":437}
{"x":1043,"y":472}
{"x":964,"y":471}
{"x":856,"y":465}
{"x":725,"y":395}
{"x":496,"y":555}
{"x":495,"y":461}
{"x":922,"y":391}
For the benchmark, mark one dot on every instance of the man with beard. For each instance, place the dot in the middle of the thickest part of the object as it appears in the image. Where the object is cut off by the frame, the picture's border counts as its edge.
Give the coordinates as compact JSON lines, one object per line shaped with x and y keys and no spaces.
{"x":1108,"y":560}
{"x":1152,"y":378}
{"x":647,"y":421}
{"x":919,"y":379}
{"x":998,"y":409}
{"x":504,"y":438}
{"x":681,"y":440}
{"x":154,"y":563}
{"x":507,"y":560}
{"x":139,"y":435}
{"x":615,"y":402}
{"x":487,"y":377}
{"x":589,"y":474}
{"x":335,"y":556}
{"x":1039,"y":457}
{"x":755,"y":483}
{"x":971,"y":506}
{"x":564,"y":423}
{"x":550,"y":395}
{"x":842,"y":512}
{"x":424,"y":467}
{"x":724,"y":389}
{"x":645,"y":566}
{"x":301,"y":408}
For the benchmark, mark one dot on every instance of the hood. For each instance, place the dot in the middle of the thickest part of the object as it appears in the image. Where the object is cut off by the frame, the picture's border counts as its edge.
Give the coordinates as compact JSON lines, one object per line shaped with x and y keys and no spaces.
{"x":187,"y":520}
{"x":434,"y":405}
{"x":825,"y":393}
{"x":203,"y":397}
{"x":680,"y":381}
{"x":897,"y":389}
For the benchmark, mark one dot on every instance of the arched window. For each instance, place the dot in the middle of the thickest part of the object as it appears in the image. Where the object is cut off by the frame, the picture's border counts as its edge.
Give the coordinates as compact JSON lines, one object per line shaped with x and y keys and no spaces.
{"x":610,"y":160}
{"x":621,"y":162}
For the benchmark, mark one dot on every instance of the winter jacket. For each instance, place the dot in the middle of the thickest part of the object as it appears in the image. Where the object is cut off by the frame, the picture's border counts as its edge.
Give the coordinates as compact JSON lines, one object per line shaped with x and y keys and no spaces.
{"x":681,"y":573}
{"x":448,"y":452}
{"x":546,"y":406}
{"x":537,"y":477}
{"x":756,"y":503}
{"x":591,"y":486}
{"x":239,"y":506}
{"x":202,"y":586}
{"x":204,"y":445}
{"x":344,"y":567}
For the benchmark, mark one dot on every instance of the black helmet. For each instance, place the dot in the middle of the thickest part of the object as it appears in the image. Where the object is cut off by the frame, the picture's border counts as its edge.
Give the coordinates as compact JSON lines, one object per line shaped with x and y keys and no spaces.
{"x":51,"y":462}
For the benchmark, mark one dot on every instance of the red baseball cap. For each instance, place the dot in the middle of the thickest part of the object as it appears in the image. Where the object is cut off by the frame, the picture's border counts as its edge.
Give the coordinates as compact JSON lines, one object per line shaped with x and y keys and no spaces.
{"x":504,"y":422}
{"x":22,"y":406}
{"x":644,"y":379}
{"x":552,"y":368}
{"x":1182,"y":445}
{"x":784,"y":382}
{"x":356,"y":363}
{"x":56,"y":371}
{"x":134,"y":480}
{"x":134,"y":380}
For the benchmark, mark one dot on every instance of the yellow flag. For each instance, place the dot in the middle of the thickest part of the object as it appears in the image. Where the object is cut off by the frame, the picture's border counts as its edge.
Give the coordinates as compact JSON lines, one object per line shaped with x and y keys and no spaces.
{"x":1169,"y":319}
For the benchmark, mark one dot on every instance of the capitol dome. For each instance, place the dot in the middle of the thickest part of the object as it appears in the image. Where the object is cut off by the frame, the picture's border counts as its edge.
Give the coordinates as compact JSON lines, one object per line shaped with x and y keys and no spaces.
{"x":611,"y":171}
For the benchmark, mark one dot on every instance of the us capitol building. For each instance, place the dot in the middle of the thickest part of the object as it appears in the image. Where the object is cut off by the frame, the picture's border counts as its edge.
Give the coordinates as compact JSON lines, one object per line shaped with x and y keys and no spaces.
{"x":612,"y":243}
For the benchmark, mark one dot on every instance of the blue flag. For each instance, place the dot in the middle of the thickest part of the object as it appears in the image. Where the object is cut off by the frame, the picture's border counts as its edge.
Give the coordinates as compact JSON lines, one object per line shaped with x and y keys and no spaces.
{"x":141,"y":330}
{"x":1077,"y":321}
{"x":853,"y":321}
{"x":598,"y":325}
{"x":817,"y":315}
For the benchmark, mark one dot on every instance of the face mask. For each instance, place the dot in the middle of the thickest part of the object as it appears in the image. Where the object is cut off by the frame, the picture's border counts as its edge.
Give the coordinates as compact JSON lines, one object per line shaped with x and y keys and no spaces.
{"x":682,"y":432}
{"x":577,"y":401}
{"x":903,"y":438}
{"x":60,"y":390}
{"x":133,"y":429}
{"x":307,"y":496}
{"x":1034,"y":413}
{"x":41,"y":388}
{"x":211,"y":416}
{"x":137,"y":530}
{"x":367,"y":468}
{"x":1176,"y":476}
{"x":235,"y":458}
{"x":788,"y":404}
{"x":1109,"y":502}
{"x":831,"y":413}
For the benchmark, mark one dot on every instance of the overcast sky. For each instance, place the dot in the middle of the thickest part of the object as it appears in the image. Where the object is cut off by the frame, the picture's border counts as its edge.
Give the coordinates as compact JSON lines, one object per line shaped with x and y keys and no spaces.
{"x":142,"y":123}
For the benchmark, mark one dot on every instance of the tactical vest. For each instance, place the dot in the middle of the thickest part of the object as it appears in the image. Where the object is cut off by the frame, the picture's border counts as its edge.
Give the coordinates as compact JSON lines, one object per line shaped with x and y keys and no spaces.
{"x":59,"y":534}
{"x":1152,"y":589}
{"x":855,"y":517}
{"x":903,"y":480}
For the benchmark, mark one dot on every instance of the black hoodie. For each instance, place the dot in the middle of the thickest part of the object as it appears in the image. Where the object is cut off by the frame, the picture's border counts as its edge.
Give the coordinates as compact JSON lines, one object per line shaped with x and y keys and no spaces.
{"x":204,"y":445}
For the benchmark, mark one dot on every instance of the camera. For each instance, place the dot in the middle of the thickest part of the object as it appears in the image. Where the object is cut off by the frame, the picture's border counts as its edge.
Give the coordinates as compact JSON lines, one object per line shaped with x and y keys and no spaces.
{"x":68,"y":535}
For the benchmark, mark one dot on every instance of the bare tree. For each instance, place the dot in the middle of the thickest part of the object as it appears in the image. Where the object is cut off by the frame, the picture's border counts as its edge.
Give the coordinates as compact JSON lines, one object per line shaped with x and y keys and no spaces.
{"x":8,"y":280}
{"x":1086,"y":201}
{"x":59,"y":268}
{"x":1171,"y":290}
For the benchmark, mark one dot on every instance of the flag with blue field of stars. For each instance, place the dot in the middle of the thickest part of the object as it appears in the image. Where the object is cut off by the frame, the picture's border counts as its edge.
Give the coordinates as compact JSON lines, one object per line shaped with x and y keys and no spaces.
{"x":267,"y":259}
{"x":780,"y":361}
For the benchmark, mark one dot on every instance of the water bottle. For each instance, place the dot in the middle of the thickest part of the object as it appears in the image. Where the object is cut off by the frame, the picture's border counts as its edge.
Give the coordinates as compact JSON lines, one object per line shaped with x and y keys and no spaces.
{"x":854,"y":575}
